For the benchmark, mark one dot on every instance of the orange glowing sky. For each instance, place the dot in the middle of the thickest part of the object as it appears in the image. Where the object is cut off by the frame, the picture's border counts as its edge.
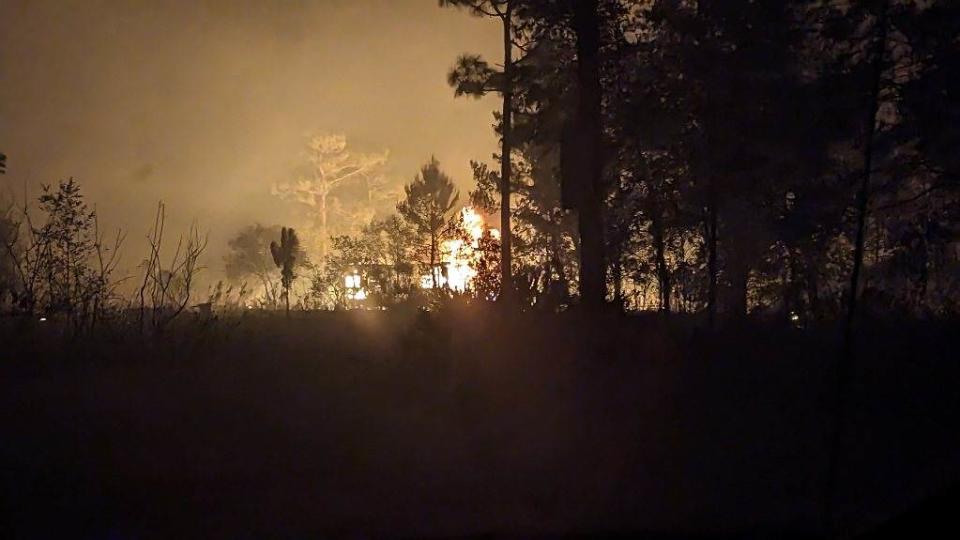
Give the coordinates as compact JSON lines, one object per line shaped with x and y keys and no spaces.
{"x":205,"y":104}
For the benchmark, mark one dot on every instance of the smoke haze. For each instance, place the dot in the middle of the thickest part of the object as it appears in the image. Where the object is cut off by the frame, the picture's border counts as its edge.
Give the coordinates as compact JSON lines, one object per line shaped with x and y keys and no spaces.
{"x":204,"y":104}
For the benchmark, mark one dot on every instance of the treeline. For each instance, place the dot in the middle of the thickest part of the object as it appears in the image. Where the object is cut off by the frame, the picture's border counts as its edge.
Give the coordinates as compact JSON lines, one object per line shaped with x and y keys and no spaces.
{"x":394,"y":257}
{"x":725,"y":158}
{"x":57,"y":264}
{"x":734,"y":157}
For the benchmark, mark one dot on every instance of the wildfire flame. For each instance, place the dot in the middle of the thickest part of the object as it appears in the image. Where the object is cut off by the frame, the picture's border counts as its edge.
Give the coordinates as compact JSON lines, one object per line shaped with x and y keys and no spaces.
{"x":459,"y":254}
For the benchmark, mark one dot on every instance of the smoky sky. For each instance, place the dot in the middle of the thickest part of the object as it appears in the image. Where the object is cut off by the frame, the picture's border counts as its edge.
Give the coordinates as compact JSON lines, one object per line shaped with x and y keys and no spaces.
{"x":204,"y":104}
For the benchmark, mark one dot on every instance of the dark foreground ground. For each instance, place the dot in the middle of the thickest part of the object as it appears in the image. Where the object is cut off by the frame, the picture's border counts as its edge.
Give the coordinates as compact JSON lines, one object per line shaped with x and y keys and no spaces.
{"x":462,"y":424}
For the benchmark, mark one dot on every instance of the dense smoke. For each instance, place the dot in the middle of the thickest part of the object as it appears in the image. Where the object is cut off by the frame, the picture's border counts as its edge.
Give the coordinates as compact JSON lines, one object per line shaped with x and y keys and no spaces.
{"x":211,"y":119}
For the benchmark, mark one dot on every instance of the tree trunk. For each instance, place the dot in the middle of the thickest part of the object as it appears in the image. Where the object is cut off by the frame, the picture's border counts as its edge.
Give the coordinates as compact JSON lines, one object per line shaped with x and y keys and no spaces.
{"x":590,"y":222}
{"x":712,"y":266}
{"x":556,"y":261}
{"x":659,"y":248}
{"x":863,"y":200}
{"x":924,"y":267}
{"x":433,"y":259}
{"x":793,"y":285}
{"x":617,"y":270}
{"x":813,"y":293}
{"x":506,"y":236}
{"x":863,"y":195}
{"x":556,"y":256}
{"x":323,"y":224}
{"x":739,"y":274}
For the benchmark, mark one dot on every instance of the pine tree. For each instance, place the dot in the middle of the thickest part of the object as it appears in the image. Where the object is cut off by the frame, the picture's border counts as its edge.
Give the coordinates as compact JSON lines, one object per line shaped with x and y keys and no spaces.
{"x":429,"y":200}
{"x":473,"y":76}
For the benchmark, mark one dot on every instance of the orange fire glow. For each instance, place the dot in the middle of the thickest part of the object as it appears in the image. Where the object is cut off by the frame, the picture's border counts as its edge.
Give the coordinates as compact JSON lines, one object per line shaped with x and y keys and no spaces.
{"x":459,"y":255}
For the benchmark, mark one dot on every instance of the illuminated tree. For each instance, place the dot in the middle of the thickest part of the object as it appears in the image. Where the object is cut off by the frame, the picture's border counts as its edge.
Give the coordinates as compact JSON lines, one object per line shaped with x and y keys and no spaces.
{"x":331,"y":167}
{"x":429,"y":200}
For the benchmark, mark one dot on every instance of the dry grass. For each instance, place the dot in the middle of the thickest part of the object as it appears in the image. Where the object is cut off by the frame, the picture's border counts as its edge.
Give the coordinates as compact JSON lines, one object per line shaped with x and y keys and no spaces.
{"x":462,"y":422}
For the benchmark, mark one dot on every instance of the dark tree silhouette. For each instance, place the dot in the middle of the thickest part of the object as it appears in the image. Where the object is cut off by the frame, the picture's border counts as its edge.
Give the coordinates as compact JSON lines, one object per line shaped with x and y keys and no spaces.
{"x":587,"y":127}
{"x":430,"y":198}
{"x":877,"y":50}
{"x":285,"y":257}
{"x":474,"y":76}
{"x":249,"y":257}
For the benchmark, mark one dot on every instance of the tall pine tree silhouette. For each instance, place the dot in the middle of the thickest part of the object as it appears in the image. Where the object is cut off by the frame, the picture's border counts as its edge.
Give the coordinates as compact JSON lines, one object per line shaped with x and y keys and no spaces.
{"x":285,"y":256}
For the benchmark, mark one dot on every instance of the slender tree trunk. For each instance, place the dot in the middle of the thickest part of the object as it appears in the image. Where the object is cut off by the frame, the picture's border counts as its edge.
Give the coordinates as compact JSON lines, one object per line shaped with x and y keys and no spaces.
{"x":433,"y":259}
{"x":323,"y":223}
{"x":617,"y":270}
{"x":863,"y":195}
{"x":506,"y":235}
{"x":659,"y":248}
{"x":877,"y":241}
{"x":863,"y":200}
{"x":556,"y":260}
{"x":794,"y":285}
{"x":556,"y":256}
{"x":712,"y":266}
{"x":739,"y":274}
{"x":924,"y":267}
{"x":590,"y":222}
{"x":813,"y":292}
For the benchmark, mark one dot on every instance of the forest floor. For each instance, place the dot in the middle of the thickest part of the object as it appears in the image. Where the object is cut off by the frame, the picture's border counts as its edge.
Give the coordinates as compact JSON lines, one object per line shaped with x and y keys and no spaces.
{"x":466,"y":422}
